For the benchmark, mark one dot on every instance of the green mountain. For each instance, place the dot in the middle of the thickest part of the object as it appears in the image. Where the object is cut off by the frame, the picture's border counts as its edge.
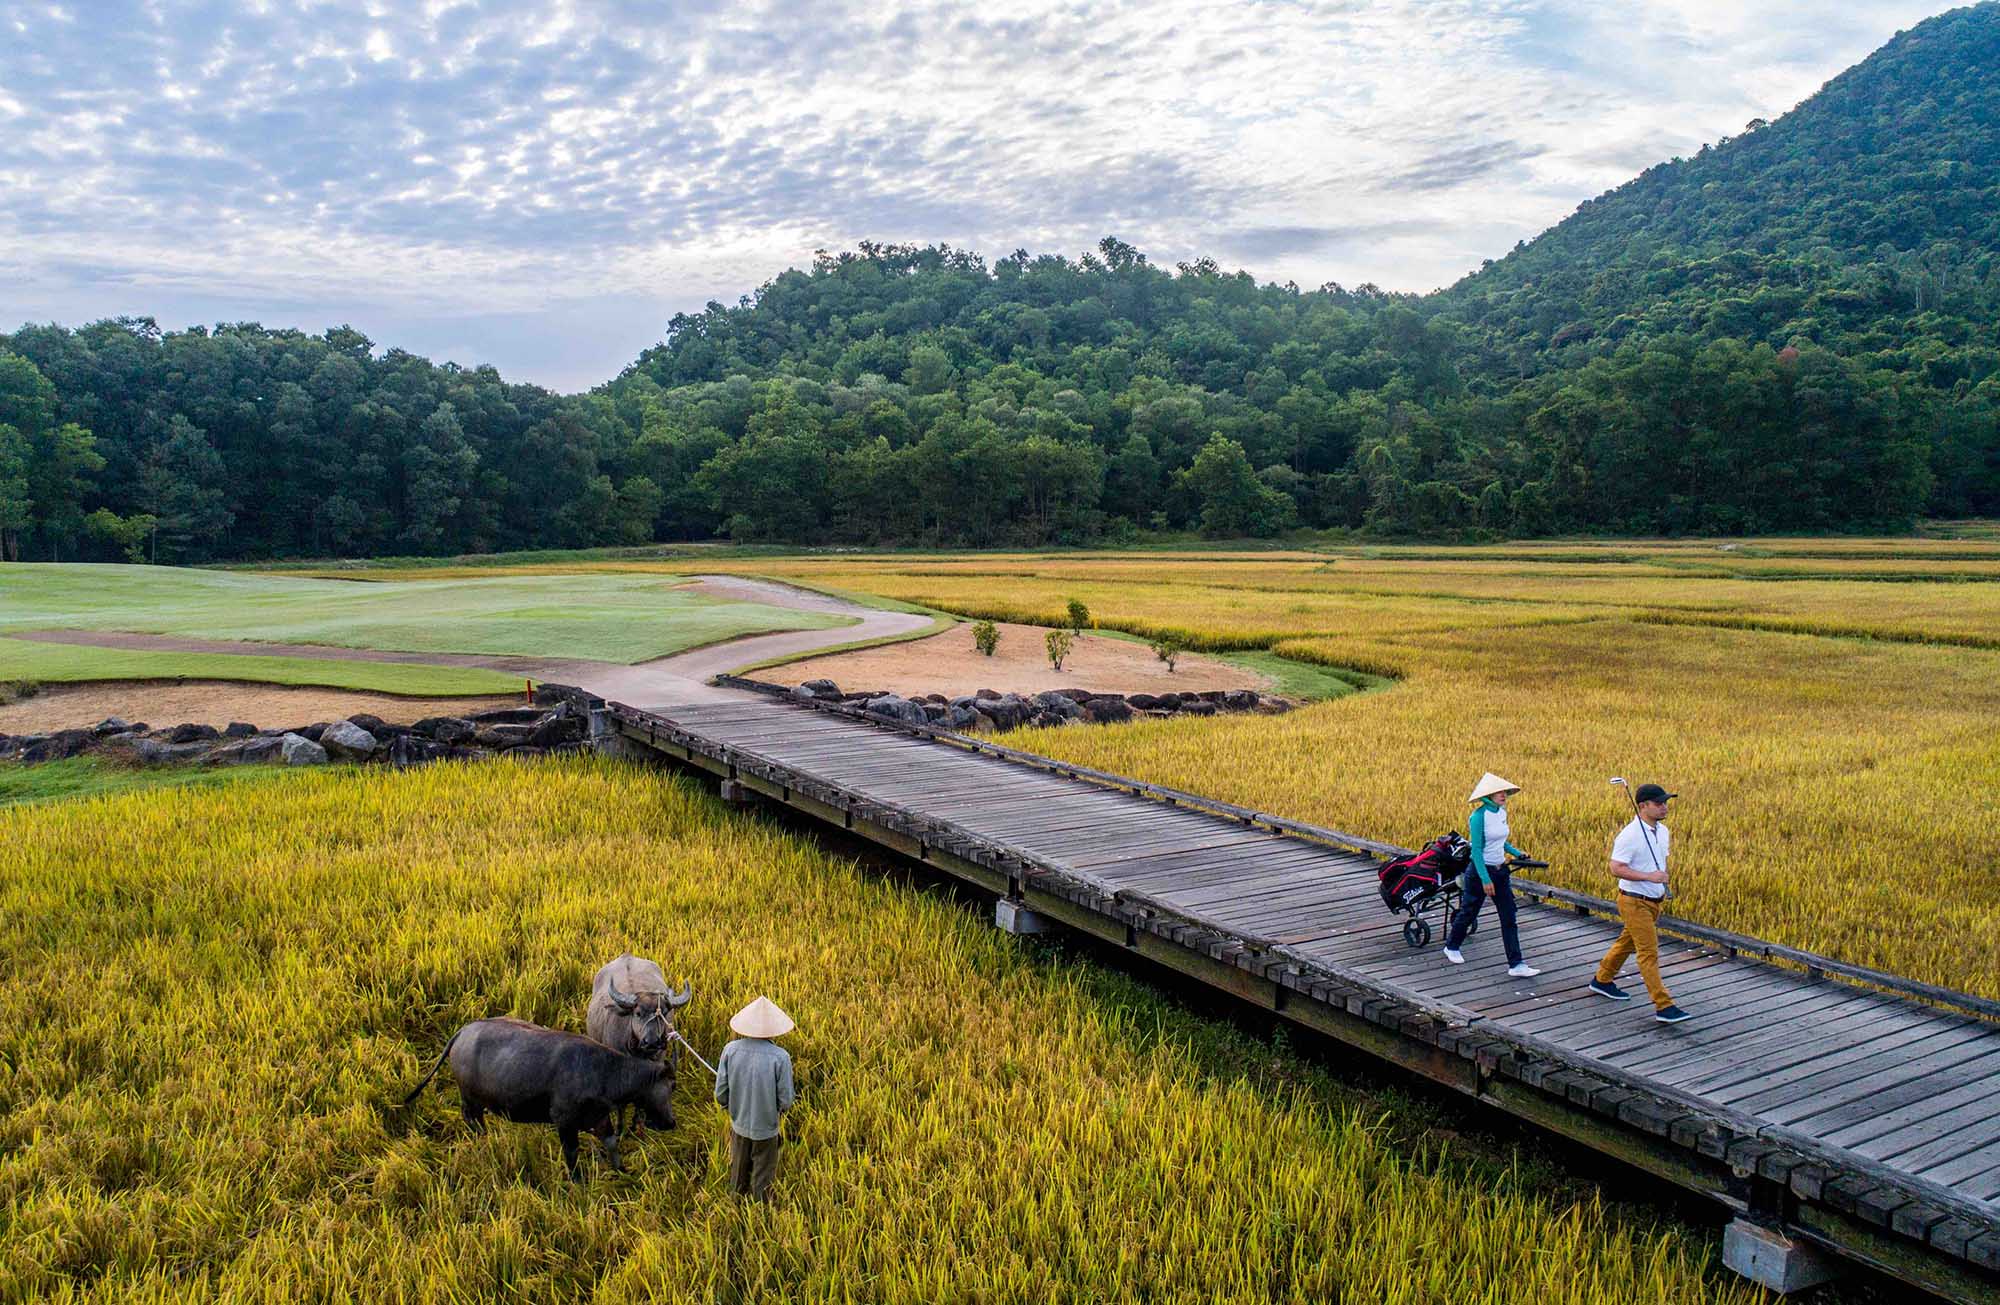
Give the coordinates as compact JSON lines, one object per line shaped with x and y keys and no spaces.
{"x":1867,"y":218}
{"x":1798,"y":329}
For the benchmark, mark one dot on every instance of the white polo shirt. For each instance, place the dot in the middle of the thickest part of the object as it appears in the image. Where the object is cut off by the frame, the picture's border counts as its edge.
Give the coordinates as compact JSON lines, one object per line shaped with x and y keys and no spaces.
{"x":1632,"y":847}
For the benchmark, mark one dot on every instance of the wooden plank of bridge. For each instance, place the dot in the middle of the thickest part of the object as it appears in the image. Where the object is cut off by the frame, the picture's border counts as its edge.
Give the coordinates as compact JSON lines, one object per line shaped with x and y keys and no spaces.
{"x":1910,"y":1089}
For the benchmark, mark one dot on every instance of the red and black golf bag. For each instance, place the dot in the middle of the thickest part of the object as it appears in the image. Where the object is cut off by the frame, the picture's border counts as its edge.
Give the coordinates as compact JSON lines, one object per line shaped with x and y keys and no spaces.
{"x":1421,"y":875}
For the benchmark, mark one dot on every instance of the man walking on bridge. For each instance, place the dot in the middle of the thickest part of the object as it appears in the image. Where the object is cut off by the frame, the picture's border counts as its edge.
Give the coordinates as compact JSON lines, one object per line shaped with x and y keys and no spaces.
{"x":753,"y":1082}
{"x":1639,"y":859}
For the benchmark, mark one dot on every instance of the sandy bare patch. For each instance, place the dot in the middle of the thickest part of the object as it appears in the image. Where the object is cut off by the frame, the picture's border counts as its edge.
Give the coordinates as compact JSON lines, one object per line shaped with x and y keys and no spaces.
{"x":948,"y":663}
{"x":214,"y":702}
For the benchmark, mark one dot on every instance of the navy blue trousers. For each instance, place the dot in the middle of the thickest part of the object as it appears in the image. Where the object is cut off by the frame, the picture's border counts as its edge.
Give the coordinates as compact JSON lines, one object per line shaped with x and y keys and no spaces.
{"x":1473,"y":897}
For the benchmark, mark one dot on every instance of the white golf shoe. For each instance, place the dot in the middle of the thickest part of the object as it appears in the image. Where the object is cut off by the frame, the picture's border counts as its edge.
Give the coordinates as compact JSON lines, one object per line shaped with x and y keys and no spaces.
{"x":1455,"y":956}
{"x":1523,"y":971}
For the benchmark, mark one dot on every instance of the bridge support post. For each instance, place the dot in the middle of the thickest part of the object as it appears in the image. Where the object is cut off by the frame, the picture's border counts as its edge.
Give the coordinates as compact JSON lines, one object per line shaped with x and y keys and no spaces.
{"x":1014,"y":918}
{"x":607,"y":741}
{"x":1772,"y":1260}
{"x":735,"y":792}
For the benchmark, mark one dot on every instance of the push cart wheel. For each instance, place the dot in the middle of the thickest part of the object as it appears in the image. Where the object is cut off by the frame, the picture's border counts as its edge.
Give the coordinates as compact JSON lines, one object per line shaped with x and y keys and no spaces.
{"x":1416,"y":932}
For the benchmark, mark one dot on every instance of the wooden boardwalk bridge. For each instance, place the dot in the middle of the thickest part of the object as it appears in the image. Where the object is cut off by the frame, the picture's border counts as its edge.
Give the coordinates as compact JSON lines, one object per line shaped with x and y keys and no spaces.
{"x":1831,"y":1108}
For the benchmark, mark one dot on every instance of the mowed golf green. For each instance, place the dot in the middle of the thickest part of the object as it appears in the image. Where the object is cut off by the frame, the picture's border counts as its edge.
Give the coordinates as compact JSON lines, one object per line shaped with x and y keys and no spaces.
{"x":26,"y":661}
{"x":610,"y":618}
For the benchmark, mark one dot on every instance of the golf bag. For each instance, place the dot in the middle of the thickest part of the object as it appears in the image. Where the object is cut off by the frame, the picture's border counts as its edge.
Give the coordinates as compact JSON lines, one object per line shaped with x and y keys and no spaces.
{"x":1412,"y":881}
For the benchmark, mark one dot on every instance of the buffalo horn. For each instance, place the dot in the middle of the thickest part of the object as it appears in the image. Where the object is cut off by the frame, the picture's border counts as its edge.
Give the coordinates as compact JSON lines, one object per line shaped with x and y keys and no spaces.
{"x":676,"y":1000}
{"x":619,"y":999}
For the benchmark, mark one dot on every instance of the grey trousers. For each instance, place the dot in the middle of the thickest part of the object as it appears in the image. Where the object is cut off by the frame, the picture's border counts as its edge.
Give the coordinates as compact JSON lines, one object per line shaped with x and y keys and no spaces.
{"x":752,"y":1165}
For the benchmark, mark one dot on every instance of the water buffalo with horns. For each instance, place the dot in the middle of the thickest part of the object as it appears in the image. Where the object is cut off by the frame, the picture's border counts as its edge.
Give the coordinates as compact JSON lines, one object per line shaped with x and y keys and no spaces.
{"x":532,"y":1075}
{"x":632,"y":1009}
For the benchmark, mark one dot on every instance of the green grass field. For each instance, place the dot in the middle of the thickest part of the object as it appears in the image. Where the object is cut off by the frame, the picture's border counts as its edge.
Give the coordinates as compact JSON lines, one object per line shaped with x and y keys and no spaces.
{"x":56,"y":663}
{"x":612,"y":618}
{"x":86,"y":777}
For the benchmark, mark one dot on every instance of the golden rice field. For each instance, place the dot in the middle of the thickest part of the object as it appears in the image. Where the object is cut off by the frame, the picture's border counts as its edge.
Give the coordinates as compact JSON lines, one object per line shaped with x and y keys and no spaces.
{"x":1839,"y":790}
{"x":1836,"y":733}
{"x":214,"y":999}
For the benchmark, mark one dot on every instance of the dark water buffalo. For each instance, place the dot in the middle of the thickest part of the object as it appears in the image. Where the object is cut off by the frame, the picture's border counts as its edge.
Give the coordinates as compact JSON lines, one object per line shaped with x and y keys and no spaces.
{"x":632,"y":1009}
{"x":532,"y":1075}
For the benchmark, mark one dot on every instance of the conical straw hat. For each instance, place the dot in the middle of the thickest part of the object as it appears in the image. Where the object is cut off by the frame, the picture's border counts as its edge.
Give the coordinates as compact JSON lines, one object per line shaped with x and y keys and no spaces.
{"x":1489,"y":784}
{"x":761,"y":1019}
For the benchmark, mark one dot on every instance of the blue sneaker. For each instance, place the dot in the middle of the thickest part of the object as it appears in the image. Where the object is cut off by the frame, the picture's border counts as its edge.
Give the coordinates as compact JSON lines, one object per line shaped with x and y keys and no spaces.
{"x":1671,"y":1015}
{"x":1610,"y":990}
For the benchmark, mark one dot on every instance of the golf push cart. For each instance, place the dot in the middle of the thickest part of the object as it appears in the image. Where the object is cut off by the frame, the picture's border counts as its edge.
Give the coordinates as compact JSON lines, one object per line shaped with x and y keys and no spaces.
{"x":1432,"y":881}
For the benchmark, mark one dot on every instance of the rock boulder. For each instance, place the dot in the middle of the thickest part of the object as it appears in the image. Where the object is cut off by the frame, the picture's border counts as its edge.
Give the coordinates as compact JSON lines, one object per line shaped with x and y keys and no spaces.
{"x":298,"y":750}
{"x":894,"y":707}
{"x":560,"y":728}
{"x":445,"y":729}
{"x":1107,"y":710}
{"x":502,"y":736}
{"x":58,"y":746}
{"x":414,"y":750}
{"x":347,"y":741}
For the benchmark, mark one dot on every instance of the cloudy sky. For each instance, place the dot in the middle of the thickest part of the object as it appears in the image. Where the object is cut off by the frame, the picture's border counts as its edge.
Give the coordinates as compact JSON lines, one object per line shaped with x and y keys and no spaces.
{"x":541,"y":185}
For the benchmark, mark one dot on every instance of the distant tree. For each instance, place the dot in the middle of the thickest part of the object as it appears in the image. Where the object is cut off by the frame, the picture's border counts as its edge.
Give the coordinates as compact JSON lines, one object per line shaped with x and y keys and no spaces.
{"x":1132,"y":481}
{"x":17,"y":508}
{"x":930,"y":370}
{"x":769,"y":488}
{"x":638,"y":507}
{"x":1231,"y":500}
{"x":63,"y":463}
{"x":986,"y":637}
{"x":129,"y":533}
{"x":180,"y":488}
{"x":1079,"y":616}
{"x":1168,"y":649}
{"x":47,"y":467}
{"x":438,"y":470}
{"x":1059,"y":643}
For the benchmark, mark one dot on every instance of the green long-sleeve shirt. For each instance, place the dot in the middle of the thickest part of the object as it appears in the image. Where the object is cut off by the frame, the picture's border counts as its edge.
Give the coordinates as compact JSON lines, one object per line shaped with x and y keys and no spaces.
{"x":1476,"y":833}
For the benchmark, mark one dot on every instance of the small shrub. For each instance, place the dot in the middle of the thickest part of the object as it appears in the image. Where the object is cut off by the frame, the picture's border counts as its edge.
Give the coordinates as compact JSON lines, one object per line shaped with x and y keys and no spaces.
{"x":986,"y":637}
{"x":1079,"y":616}
{"x":1059,"y":643}
{"x":1168,"y":651}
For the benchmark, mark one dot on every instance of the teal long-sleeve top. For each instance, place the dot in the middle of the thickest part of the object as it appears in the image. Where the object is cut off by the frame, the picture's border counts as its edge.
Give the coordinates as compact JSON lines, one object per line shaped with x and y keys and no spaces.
{"x":1476,"y":833}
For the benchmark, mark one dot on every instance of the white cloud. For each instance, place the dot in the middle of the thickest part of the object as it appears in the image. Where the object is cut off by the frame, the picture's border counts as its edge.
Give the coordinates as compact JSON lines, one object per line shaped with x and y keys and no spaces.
{"x":397,"y":165}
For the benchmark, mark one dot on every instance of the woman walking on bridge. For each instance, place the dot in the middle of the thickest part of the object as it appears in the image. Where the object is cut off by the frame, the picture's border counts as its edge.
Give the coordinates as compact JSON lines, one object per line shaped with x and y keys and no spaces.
{"x":1488,"y":873}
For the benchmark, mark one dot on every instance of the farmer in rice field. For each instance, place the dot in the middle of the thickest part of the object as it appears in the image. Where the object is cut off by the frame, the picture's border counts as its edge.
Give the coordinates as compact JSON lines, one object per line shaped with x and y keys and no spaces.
{"x":753,"y":1082}
{"x":1639,"y":859}
{"x":1488,"y":873}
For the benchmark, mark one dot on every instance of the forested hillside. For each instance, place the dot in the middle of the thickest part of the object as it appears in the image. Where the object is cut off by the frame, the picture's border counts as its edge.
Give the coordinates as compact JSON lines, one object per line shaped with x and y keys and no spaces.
{"x":1794,"y":330}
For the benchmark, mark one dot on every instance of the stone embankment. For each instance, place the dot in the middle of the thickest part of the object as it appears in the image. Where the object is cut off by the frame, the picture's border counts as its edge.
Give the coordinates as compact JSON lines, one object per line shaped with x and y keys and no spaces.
{"x":987,"y":712}
{"x":554,"y":724}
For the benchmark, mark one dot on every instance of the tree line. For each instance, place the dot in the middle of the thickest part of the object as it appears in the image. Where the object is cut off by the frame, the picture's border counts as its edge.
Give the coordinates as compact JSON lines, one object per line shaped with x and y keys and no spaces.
{"x":916,"y":396}
{"x":1794,"y":330}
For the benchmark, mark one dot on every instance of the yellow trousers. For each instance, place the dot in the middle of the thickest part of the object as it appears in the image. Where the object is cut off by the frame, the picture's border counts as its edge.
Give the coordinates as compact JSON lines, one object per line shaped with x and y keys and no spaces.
{"x":1642,"y":935}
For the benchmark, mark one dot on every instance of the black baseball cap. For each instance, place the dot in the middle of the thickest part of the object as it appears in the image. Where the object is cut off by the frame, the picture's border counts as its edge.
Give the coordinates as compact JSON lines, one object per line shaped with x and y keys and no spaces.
{"x":1653,"y":793}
